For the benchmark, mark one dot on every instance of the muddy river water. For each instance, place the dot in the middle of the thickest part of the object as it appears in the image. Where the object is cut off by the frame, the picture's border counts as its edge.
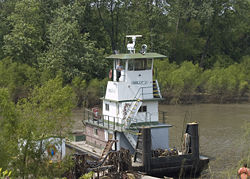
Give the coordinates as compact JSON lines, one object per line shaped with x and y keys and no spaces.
{"x":221,"y":132}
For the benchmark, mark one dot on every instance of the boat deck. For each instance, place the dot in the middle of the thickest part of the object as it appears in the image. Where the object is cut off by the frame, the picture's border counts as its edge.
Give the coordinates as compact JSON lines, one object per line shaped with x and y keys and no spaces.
{"x":83,"y":147}
{"x":93,"y":151}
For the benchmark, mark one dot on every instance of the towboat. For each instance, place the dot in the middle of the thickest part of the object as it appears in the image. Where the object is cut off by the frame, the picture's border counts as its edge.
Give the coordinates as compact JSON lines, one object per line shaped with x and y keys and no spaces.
{"x":129,"y":119}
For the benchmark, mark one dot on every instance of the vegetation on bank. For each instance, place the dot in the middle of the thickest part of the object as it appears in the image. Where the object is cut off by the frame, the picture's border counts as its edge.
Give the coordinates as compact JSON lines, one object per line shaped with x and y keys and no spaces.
{"x":180,"y":83}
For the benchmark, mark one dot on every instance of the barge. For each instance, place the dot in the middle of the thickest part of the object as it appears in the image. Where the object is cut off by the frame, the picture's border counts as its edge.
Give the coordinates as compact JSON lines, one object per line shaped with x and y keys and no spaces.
{"x":130,"y":120}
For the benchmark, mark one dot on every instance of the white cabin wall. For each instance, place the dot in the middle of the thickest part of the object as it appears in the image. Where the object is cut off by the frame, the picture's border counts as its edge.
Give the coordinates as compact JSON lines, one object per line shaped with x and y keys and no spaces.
{"x":152,"y":107}
{"x":151,"y":114}
{"x":112,"y":108}
{"x":117,"y":110}
{"x":142,"y":76}
{"x":118,"y":91}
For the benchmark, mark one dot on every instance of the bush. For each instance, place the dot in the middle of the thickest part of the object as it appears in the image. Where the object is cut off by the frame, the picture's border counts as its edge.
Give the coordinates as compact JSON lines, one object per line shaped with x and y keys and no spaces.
{"x":177,"y":81}
{"x":226,"y":82}
{"x":89,"y":94}
{"x":95,"y":90}
{"x":18,"y":78}
{"x":163,"y":69}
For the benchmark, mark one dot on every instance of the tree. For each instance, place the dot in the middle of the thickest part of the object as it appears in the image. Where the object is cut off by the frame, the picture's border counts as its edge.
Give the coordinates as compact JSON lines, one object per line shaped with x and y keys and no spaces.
{"x":24,"y":42}
{"x":226,"y":32}
{"x":8,"y":123}
{"x":71,"y":52}
{"x":6,"y":8}
{"x":184,"y":80}
{"x":45,"y":114}
{"x":19,"y":78}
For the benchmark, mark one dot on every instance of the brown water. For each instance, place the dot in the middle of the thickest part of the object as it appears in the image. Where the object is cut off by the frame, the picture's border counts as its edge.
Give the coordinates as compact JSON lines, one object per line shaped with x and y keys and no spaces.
{"x":220,"y":130}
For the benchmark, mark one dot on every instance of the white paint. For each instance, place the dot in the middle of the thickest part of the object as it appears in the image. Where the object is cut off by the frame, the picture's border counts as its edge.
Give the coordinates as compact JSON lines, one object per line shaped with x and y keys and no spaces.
{"x":112,"y":108}
{"x":121,"y":91}
{"x":150,"y":116}
{"x":131,"y":46}
{"x":152,"y":112}
{"x":106,"y":135}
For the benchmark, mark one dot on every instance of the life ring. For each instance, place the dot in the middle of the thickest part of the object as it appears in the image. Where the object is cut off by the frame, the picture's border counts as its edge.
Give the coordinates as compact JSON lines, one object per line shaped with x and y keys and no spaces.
{"x":51,"y":150}
{"x":110,"y":73}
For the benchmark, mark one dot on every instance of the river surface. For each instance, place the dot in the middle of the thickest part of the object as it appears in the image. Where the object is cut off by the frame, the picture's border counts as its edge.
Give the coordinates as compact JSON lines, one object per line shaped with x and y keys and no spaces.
{"x":220,"y":130}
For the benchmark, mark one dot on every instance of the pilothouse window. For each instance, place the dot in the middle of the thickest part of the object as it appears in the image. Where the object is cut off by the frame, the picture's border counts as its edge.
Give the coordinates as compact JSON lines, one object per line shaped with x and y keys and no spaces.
{"x":139,"y":64}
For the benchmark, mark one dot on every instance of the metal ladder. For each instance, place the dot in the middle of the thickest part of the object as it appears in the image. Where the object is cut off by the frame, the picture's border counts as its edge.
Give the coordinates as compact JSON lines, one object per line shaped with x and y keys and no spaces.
{"x":138,"y":148}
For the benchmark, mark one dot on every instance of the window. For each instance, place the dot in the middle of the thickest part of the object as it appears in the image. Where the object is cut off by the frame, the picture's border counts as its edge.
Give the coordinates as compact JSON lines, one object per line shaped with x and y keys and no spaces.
{"x":139,"y":64}
{"x":143,"y":109}
{"x":121,"y":62}
{"x":131,"y":65}
{"x":107,"y":107}
{"x":95,"y":131}
{"x":148,"y":64}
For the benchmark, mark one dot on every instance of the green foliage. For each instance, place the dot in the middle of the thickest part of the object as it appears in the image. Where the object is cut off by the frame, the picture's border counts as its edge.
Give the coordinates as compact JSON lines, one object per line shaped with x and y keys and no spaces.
{"x":69,"y":38}
{"x":227,"y":82}
{"x":71,"y":52}
{"x":18,"y":78}
{"x":24,"y":42}
{"x":188,"y":79}
{"x":177,"y":81}
{"x":8,"y":124}
{"x":95,"y":91}
{"x":5,"y":173}
{"x":57,"y":169}
{"x":80,"y":86}
{"x":245,"y":67}
{"x":163,"y":70}
{"x":44,"y":114}
{"x":87,"y":176}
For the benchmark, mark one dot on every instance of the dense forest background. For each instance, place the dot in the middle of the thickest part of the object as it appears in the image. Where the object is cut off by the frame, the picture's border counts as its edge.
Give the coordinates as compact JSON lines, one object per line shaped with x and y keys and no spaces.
{"x":52,"y":58}
{"x":207,"y":44}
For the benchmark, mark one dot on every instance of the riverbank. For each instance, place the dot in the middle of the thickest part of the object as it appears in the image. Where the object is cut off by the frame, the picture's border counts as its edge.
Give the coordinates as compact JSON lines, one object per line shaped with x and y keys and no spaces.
{"x":204,"y":98}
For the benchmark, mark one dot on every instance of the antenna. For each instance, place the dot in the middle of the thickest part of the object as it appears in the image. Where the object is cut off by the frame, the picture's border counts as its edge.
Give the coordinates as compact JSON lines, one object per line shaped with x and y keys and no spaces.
{"x":131,"y":46}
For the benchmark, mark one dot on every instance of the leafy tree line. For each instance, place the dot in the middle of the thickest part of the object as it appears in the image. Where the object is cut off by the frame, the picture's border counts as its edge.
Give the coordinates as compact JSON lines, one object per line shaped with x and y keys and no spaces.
{"x":40,"y":40}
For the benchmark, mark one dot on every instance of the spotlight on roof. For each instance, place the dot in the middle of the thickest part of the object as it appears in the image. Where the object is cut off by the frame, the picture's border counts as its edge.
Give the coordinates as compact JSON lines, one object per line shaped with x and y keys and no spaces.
{"x":144,"y":49}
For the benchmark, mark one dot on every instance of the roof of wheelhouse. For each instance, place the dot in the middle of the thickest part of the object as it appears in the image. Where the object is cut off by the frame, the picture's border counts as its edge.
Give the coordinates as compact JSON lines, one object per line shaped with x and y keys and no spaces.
{"x":135,"y":56}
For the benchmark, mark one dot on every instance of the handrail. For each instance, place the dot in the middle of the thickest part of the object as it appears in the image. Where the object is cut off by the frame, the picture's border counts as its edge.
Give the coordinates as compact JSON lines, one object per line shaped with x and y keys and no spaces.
{"x":141,"y":88}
